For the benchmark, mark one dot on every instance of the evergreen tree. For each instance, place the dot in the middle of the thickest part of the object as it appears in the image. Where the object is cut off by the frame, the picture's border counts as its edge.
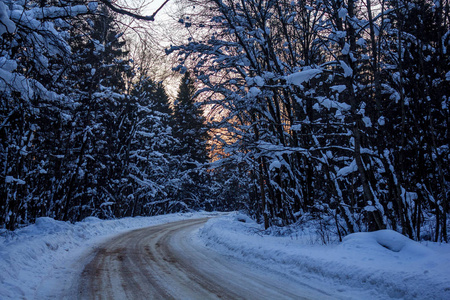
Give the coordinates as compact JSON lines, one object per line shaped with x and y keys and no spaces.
{"x":189,"y":125}
{"x":95,"y":83}
{"x":191,"y":134}
{"x":152,"y":177}
{"x":154,"y":95}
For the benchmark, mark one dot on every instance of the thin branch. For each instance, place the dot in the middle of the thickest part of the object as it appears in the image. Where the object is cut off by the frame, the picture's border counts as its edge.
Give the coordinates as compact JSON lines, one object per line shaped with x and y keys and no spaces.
{"x":130,"y":14}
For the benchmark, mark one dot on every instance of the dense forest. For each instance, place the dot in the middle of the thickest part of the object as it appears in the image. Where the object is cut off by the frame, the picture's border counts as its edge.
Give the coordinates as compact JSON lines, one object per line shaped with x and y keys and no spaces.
{"x":293,"y":111}
{"x":85,"y":132}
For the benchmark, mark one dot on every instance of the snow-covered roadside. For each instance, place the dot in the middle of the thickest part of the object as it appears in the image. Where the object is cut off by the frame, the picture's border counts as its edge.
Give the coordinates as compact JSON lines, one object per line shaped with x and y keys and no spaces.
{"x":37,"y":259}
{"x":385,"y":264}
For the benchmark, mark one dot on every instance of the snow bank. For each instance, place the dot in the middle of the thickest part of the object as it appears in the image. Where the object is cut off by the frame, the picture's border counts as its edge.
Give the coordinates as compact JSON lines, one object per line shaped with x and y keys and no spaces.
{"x":377,"y":265}
{"x":35,"y":260}
{"x":41,"y":260}
{"x":387,"y":239}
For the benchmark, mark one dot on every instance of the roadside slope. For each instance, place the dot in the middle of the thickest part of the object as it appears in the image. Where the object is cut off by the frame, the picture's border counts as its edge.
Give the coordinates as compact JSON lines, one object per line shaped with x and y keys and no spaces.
{"x":378,"y":265}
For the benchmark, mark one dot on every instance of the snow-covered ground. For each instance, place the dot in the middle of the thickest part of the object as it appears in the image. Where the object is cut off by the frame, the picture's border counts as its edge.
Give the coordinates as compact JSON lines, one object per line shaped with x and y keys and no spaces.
{"x":382,"y":264}
{"x":35,"y":260}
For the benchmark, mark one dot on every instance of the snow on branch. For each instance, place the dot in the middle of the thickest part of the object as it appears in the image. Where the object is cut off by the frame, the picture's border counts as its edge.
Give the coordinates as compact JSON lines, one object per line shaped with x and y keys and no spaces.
{"x":303,"y":76}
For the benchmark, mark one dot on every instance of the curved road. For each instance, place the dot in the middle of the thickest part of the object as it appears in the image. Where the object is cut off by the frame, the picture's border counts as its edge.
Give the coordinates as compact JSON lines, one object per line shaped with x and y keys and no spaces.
{"x":165,"y":262}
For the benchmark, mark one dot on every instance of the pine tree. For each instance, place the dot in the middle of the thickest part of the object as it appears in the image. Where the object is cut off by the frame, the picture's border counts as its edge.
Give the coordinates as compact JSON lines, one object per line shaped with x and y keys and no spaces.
{"x":191,"y":134}
{"x":151,"y":174}
{"x":154,"y":95}
{"x":189,"y":125}
{"x":96,"y":84}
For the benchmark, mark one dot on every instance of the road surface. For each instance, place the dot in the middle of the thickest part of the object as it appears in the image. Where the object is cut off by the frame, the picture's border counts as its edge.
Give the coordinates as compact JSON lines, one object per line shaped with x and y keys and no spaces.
{"x":166,"y":262}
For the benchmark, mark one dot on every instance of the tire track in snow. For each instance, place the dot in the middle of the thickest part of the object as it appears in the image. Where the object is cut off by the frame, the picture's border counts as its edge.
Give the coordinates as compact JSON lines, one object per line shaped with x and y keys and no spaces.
{"x":164,"y":262}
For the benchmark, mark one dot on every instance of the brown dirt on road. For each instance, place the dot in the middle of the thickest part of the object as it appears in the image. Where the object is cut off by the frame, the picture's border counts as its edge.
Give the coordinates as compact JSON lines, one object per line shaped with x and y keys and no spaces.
{"x":163,"y":262}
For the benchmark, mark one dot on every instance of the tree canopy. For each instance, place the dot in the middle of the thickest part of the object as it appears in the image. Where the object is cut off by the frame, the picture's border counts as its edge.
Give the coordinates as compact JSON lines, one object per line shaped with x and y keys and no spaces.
{"x":334,"y":110}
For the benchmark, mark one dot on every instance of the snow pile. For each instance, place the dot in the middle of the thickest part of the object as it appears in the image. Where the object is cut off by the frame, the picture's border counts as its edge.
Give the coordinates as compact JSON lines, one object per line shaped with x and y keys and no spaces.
{"x":33,"y":260}
{"x":384,"y":264}
{"x":388,"y":239}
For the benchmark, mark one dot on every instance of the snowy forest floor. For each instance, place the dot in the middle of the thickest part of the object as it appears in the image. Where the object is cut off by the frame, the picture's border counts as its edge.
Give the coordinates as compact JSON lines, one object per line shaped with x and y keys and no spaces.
{"x":38,"y":259}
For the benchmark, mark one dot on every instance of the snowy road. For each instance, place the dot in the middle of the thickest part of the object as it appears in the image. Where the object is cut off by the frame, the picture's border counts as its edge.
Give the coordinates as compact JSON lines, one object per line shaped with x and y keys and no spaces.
{"x":166,"y":262}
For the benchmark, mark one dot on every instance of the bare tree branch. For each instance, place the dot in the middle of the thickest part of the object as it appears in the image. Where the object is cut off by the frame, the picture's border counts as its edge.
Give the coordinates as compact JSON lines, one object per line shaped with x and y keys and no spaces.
{"x":118,"y":10}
